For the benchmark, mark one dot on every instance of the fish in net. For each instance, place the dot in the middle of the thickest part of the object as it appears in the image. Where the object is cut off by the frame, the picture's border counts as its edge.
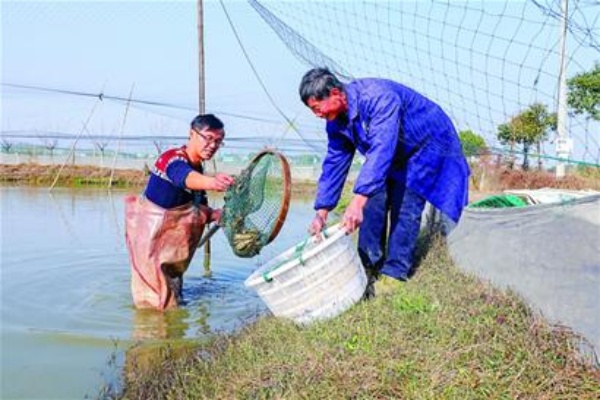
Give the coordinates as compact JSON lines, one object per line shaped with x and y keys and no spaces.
{"x":256,"y":204}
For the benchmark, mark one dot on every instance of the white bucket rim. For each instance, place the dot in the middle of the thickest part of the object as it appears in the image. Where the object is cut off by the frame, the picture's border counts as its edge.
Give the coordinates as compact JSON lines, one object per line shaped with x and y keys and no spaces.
{"x":334,"y":233}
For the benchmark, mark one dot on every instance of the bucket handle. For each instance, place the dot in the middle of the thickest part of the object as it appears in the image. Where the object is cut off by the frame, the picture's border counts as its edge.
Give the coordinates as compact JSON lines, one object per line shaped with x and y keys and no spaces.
{"x":298,"y":252}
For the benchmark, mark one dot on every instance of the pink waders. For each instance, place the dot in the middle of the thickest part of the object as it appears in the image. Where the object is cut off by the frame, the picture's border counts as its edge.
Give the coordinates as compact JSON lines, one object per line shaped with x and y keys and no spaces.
{"x":161,"y":245}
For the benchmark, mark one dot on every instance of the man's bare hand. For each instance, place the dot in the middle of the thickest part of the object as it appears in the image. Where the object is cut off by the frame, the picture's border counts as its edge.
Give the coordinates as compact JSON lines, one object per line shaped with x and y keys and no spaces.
{"x":219,"y":182}
{"x":197,"y":181}
{"x":225,"y":178}
{"x":318,"y":222}
{"x":353,"y":216}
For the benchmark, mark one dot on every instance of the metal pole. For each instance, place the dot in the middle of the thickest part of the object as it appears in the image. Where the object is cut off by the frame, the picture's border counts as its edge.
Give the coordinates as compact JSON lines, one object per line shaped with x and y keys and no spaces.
{"x":202,"y":104}
{"x":201,"y":87}
{"x":114,"y":165}
{"x":563,"y":143}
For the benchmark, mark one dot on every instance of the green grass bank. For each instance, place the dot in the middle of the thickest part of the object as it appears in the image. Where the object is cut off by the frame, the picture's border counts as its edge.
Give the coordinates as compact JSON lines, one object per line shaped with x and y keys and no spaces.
{"x":442,"y":335}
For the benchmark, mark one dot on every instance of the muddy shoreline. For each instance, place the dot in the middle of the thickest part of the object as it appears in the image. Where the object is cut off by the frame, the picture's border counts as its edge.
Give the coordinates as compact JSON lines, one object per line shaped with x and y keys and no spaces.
{"x":83,"y":176}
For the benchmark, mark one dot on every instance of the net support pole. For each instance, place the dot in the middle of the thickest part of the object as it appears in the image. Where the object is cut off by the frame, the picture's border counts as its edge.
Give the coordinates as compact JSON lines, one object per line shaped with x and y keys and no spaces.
{"x":563,"y":143}
{"x":114,"y":164}
{"x":201,"y":85}
{"x":202,"y":101}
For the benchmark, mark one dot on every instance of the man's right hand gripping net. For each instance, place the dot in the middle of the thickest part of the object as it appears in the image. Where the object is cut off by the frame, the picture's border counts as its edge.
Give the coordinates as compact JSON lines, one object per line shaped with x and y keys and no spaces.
{"x":256,"y":204}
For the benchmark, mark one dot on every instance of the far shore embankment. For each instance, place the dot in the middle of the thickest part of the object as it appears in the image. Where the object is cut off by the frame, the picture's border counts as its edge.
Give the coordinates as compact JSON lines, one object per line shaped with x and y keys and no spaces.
{"x":94,"y":177}
{"x":483,"y":182}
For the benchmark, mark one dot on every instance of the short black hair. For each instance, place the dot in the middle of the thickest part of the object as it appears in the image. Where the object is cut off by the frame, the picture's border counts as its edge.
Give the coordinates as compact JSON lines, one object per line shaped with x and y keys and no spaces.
{"x":204,"y":121}
{"x":318,"y":83}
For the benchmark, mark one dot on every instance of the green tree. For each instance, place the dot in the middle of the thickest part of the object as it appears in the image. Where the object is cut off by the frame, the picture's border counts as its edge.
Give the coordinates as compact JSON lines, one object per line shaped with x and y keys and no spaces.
{"x":584,"y":93}
{"x":529,"y":127}
{"x":472,"y":143}
{"x":506,"y":136}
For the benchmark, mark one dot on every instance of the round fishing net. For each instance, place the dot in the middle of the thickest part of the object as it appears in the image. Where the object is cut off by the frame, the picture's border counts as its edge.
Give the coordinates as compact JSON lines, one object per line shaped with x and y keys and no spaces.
{"x":256,"y":204}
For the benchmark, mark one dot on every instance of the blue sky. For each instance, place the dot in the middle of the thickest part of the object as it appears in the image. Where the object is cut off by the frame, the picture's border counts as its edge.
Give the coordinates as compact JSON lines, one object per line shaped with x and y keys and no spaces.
{"x":111,"y":46}
{"x":481,"y":61}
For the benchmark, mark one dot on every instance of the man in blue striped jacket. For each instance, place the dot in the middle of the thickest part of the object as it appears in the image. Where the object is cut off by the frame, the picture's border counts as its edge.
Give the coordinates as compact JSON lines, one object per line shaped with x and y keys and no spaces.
{"x":412,"y":155}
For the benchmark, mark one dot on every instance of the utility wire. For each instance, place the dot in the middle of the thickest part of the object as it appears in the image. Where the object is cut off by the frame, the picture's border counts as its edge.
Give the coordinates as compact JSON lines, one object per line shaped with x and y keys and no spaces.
{"x":42,"y":134}
{"x":103,"y":96}
{"x":100,"y":96}
{"x":291,"y":123}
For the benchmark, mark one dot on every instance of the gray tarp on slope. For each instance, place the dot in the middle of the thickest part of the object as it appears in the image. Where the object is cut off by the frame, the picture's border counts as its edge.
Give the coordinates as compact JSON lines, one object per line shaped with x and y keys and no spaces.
{"x":549,"y":254}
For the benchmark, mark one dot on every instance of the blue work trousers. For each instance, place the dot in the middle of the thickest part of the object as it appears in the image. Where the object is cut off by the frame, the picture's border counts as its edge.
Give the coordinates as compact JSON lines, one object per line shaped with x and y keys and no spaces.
{"x":404,"y":208}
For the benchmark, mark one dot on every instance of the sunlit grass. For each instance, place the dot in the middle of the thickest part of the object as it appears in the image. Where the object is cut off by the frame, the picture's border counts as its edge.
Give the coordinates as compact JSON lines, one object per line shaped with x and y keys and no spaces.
{"x":441,"y":335}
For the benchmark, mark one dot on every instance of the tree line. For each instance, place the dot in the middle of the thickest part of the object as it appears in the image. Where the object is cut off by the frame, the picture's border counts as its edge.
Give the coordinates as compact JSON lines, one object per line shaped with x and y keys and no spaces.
{"x":532,"y":126}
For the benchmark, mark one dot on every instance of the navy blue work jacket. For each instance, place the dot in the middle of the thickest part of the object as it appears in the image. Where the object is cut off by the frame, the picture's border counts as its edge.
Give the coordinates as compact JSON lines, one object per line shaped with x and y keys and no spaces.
{"x":404,"y":137}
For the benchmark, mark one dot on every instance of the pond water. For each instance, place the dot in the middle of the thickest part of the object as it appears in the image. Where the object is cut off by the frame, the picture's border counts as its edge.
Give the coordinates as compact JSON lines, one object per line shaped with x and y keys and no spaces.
{"x":67,"y":312}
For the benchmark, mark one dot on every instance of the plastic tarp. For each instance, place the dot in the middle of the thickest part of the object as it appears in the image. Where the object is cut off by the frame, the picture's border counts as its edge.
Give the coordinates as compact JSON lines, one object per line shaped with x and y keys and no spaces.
{"x":500,"y":201}
{"x":161,"y":244}
{"x":550,"y":195}
{"x":548,"y":253}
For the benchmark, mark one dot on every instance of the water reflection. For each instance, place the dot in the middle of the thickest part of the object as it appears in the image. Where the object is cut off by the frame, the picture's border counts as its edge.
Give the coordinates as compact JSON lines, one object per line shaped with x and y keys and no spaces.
{"x":63,"y":218}
{"x":171,"y":324}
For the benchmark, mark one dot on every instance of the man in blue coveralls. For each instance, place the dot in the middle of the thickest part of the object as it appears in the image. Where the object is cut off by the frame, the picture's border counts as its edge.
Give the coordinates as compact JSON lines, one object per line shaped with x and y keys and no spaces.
{"x":412,"y":155}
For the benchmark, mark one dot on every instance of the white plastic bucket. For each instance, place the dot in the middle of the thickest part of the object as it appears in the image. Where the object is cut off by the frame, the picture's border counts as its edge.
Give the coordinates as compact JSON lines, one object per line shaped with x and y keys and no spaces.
{"x":312,"y":280}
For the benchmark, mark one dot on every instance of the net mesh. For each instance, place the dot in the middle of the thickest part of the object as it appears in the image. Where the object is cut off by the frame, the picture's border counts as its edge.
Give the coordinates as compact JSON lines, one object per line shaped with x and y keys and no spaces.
{"x":484,"y":62}
{"x":255,"y":205}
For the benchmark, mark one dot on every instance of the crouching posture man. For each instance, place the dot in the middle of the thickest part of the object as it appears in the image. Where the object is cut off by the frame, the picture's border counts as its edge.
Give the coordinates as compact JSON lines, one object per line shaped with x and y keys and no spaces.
{"x":164,"y":226}
{"x":412,"y":155}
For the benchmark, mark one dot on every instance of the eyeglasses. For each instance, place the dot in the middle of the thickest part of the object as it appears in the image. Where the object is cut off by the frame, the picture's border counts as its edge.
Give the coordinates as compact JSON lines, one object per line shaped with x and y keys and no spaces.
{"x":210,"y":141}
